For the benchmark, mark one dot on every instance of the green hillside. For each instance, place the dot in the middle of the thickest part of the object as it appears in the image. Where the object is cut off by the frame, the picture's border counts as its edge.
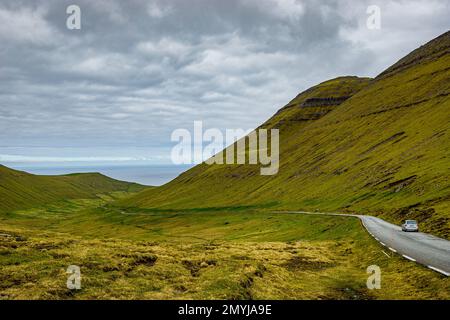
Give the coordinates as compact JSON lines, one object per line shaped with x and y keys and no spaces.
{"x":376,"y":146}
{"x":21,"y":190}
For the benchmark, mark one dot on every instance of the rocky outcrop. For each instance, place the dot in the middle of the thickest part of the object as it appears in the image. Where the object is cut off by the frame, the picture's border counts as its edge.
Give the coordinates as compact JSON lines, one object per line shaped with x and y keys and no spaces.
{"x":323,"y":102}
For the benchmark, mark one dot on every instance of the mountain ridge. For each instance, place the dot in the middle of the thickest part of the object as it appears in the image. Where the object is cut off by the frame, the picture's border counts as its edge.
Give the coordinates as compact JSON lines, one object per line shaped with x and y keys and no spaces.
{"x":22,"y":190}
{"x":383,"y":151}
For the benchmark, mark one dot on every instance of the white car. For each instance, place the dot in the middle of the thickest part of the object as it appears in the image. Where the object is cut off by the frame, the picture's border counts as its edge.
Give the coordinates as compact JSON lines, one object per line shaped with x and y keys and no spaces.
{"x":410,"y":225}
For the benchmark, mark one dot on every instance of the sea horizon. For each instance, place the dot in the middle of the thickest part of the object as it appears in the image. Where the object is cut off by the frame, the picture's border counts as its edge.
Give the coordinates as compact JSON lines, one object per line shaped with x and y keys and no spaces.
{"x":142,"y":173}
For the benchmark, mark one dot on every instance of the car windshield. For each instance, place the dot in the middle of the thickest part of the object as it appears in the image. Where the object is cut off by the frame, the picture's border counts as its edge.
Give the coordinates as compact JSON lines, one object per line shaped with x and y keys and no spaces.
{"x":411,"y":222}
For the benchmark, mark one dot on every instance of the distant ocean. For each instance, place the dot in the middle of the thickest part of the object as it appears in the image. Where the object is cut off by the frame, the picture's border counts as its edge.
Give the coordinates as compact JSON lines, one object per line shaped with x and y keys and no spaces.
{"x":151,"y":175}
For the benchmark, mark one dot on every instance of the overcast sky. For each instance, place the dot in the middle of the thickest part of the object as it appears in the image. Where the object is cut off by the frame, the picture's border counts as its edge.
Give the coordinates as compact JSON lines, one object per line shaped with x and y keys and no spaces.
{"x":137,"y":70}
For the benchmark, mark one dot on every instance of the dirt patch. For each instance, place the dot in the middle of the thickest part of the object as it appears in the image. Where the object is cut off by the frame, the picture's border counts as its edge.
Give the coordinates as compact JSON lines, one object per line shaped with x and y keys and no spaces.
{"x":8,"y":236}
{"x":179,"y":288}
{"x":415,"y":212}
{"x":43,"y":246}
{"x":128,"y":262}
{"x":347,"y":293}
{"x":401,"y":184}
{"x":144,"y":259}
{"x":194,"y":266}
{"x":240,"y":257}
{"x":59,"y":255}
{"x":299,"y":263}
{"x":260,"y":270}
{"x":395,"y":138}
{"x":245,"y":293}
{"x":15,"y":279}
{"x":246,"y":283}
{"x":211,"y":246}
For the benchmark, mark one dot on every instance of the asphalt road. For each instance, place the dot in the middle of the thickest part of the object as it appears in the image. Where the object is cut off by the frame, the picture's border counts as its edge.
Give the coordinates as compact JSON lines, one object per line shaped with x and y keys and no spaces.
{"x":423,"y":248}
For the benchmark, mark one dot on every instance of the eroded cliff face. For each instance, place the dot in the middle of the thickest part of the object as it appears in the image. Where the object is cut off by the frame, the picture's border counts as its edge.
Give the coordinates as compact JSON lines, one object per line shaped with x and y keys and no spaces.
{"x":317,"y":101}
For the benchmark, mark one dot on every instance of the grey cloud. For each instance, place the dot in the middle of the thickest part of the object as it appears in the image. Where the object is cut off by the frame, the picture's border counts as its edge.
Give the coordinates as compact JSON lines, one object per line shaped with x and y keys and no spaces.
{"x":139,"y":69}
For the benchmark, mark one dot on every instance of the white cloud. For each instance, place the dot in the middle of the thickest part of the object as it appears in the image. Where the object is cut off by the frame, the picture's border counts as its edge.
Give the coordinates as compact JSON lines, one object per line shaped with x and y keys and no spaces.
{"x":111,"y":9}
{"x":404,"y":25}
{"x":103,"y":65}
{"x":164,"y":46}
{"x":26,"y":26}
{"x":292,"y":9}
{"x":158,"y":10}
{"x":139,"y":69}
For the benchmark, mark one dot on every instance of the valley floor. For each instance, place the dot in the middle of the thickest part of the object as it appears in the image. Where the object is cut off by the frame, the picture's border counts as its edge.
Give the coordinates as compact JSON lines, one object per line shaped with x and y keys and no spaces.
{"x":238,"y":253}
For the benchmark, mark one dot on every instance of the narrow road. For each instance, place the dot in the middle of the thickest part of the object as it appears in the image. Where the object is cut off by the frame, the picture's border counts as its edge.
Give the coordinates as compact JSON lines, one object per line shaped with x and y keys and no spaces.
{"x":423,"y":248}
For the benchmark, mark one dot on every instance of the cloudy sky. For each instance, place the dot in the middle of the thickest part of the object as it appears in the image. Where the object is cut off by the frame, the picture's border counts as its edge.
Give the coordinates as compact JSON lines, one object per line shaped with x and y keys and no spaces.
{"x":137,"y":70}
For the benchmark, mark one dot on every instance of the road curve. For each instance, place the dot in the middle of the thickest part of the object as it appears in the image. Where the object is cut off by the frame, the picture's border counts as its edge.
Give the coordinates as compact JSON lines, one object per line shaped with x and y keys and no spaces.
{"x":423,"y":248}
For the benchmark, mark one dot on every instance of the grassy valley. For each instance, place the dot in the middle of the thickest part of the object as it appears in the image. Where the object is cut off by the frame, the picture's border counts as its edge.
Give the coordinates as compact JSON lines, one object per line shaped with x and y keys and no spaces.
{"x":378,"y":146}
{"x":225,"y":254}
{"x":21,"y":190}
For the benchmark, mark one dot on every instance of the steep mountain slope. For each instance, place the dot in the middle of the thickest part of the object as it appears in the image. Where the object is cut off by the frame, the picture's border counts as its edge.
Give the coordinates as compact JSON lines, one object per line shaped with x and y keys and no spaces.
{"x":21,"y":190}
{"x":380,"y":146}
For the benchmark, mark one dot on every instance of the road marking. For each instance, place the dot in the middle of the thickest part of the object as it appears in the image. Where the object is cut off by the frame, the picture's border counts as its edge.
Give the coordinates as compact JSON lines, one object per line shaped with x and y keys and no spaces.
{"x":409,"y":258}
{"x":439,"y":270}
{"x":386,"y":254}
{"x":373,"y":219}
{"x":393,"y":250}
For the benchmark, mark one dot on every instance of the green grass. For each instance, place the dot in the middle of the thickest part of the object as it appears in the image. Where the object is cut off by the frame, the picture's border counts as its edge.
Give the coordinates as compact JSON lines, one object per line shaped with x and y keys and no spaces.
{"x":21,"y":190}
{"x":212,"y":233}
{"x":243,"y":253}
{"x":353,"y":158}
